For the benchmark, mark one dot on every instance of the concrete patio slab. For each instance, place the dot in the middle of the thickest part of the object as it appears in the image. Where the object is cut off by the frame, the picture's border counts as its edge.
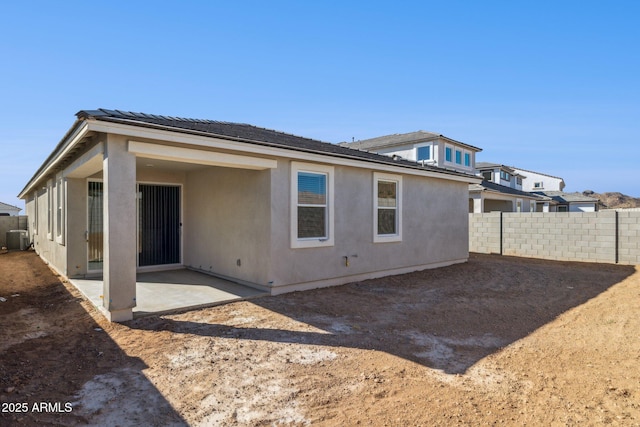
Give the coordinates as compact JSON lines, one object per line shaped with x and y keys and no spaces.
{"x":163,"y":292}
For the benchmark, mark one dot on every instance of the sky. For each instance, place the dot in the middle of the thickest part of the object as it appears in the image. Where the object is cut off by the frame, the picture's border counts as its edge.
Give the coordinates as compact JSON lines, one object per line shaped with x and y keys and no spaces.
{"x":549,"y":86}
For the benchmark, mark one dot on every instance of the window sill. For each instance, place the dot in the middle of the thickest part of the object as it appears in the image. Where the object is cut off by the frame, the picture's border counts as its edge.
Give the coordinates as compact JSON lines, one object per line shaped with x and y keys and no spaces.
{"x":387,"y":239}
{"x":311,"y":243}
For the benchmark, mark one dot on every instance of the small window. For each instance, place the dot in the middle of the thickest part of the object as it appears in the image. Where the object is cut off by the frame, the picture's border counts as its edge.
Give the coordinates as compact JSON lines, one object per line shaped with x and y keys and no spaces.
{"x":459,"y":157}
{"x":519,"y":181}
{"x":505,"y":176}
{"x":36,"y":212}
{"x":487,"y":176}
{"x":537,"y":185}
{"x":311,"y":205}
{"x":387,"y":208}
{"x":49,"y":210}
{"x":423,"y":153}
{"x":467,"y":159}
{"x":60,"y":211}
{"x":448,"y":154}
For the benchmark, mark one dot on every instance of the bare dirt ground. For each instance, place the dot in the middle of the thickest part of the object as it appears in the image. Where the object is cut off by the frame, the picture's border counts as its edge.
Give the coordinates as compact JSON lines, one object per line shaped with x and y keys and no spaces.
{"x":499,"y":340}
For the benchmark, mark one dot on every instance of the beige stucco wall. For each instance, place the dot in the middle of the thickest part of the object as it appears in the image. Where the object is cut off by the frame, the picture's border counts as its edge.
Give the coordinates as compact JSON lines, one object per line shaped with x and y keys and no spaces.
{"x":228,"y":213}
{"x":237,"y":214}
{"x":435,"y":231}
{"x":44,"y":237}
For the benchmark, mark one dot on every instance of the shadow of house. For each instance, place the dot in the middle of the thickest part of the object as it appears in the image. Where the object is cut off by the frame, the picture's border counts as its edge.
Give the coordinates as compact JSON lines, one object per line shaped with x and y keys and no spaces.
{"x":65,"y":358}
{"x":446,"y":319}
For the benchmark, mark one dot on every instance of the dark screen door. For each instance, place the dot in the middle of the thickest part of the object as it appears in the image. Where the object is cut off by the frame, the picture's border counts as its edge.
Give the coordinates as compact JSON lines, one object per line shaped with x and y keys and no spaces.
{"x":159,"y":225}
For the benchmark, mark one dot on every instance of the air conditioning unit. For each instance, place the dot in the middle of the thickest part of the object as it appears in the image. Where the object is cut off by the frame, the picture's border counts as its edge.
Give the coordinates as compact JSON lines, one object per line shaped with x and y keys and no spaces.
{"x":17,"y":239}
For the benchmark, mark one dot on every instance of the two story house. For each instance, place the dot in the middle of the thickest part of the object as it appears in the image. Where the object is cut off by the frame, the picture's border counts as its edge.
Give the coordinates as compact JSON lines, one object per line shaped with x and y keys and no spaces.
{"x":552,"y":187}
{"x":501,"y":190}
{"x":424,"y":147}
{"x":538,"y":181}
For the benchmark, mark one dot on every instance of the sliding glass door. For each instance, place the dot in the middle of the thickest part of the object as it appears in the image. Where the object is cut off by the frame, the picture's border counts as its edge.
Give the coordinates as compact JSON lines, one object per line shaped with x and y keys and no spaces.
{"x":158,"y":224}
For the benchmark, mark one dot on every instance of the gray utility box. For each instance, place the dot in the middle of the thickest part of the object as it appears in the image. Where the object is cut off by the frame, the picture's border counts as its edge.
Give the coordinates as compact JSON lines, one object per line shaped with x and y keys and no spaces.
{"x":17,"y":239}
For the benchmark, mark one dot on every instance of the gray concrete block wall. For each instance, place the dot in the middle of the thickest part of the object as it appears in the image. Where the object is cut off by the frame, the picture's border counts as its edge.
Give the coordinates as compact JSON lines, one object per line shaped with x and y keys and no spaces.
{"x":629,"y":236}
{"x":11,"y":223}
{"x":484,"y":232}
{"x":574,"y":236}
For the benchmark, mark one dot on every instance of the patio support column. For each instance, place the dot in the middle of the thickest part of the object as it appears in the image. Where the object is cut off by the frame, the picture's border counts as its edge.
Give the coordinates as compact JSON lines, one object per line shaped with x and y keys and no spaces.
{"x":478,"y":203}
{"x":119,"y":268}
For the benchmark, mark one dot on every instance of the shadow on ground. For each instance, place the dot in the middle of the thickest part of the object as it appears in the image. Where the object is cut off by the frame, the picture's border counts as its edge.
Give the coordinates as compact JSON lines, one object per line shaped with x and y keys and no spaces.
{"x":447,"y":318}
{"x":55,"y":356}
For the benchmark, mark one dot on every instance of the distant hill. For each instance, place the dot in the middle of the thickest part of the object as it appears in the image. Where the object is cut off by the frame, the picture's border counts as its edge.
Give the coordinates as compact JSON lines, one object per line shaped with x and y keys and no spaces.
{"x":614,"y":200}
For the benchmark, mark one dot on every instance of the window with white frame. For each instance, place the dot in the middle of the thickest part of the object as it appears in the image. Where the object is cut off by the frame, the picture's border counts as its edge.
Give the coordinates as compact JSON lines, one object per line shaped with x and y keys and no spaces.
{"x":458,"y":157}
{"x":448,"y":154}
{"x":50,"y":210}
{"x":311,"y":205}
{"x":505,"y":175}
{"x":538,"y":185}
{"x":467,"y":159}
{"x":60,"y":211}
{"x":35,"y":212}
{"x":387,"y":209}
{"x":423,"y":152}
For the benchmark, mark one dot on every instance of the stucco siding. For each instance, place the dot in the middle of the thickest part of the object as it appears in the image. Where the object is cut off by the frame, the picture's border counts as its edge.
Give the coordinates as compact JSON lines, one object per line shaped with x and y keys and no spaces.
{"x":44,"y":241}
{"x":227,"y":217}
{"x":434,"y":230}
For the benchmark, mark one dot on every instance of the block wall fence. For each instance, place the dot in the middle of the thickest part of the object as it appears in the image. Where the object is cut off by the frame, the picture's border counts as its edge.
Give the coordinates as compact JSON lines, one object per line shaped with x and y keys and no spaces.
{"x":607,"y":236}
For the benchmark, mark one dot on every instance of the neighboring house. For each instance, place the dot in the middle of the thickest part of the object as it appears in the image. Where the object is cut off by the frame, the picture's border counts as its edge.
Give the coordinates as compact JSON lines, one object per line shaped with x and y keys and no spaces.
{"x":500,"y":174}
{"x":9,"y":210}
{"x":537,"y":181}
{"x":427,"y":148}
{"x":552,"y":187}
{"x":570,"y":202}
{"x":124,"y":192}
{"x":491,"y":197}
{"x":501,"y":190}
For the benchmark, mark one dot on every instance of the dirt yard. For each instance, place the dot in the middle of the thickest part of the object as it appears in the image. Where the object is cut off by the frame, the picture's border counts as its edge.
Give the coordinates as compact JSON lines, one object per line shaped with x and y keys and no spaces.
{"x":499,"y":340}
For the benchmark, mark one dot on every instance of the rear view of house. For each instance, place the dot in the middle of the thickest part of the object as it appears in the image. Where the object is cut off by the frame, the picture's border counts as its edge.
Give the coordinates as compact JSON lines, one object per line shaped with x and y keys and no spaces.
{"x":129,"y":192}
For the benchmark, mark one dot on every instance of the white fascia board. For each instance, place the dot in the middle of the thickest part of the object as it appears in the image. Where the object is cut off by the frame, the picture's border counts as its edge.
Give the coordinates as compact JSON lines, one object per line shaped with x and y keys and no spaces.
{"x":199,"y":157}
{"x":72,"y":142}
{"x":209,"y":141}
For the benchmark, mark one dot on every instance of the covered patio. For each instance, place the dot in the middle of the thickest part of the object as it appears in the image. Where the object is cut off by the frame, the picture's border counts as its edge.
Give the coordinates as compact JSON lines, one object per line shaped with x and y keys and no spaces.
{"x":169,"y":291}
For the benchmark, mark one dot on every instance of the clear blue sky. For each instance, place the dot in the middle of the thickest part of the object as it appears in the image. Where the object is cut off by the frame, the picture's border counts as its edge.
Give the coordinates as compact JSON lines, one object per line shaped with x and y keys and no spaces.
{"x":551,"y":86}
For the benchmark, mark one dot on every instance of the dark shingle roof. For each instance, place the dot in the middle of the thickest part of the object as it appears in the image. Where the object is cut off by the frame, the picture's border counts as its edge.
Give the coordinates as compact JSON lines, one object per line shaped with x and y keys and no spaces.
{"x":489,"y":165}
{"x":492,"y":186}
{"x":400,"y":139}
{"x":251,"y":134}
{"x":562,"y":197}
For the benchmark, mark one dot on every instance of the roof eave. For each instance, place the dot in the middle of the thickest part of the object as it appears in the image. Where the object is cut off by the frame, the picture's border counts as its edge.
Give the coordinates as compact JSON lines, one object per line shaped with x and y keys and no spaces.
{"x":432,"y":172}
{"x":76,"y":133}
